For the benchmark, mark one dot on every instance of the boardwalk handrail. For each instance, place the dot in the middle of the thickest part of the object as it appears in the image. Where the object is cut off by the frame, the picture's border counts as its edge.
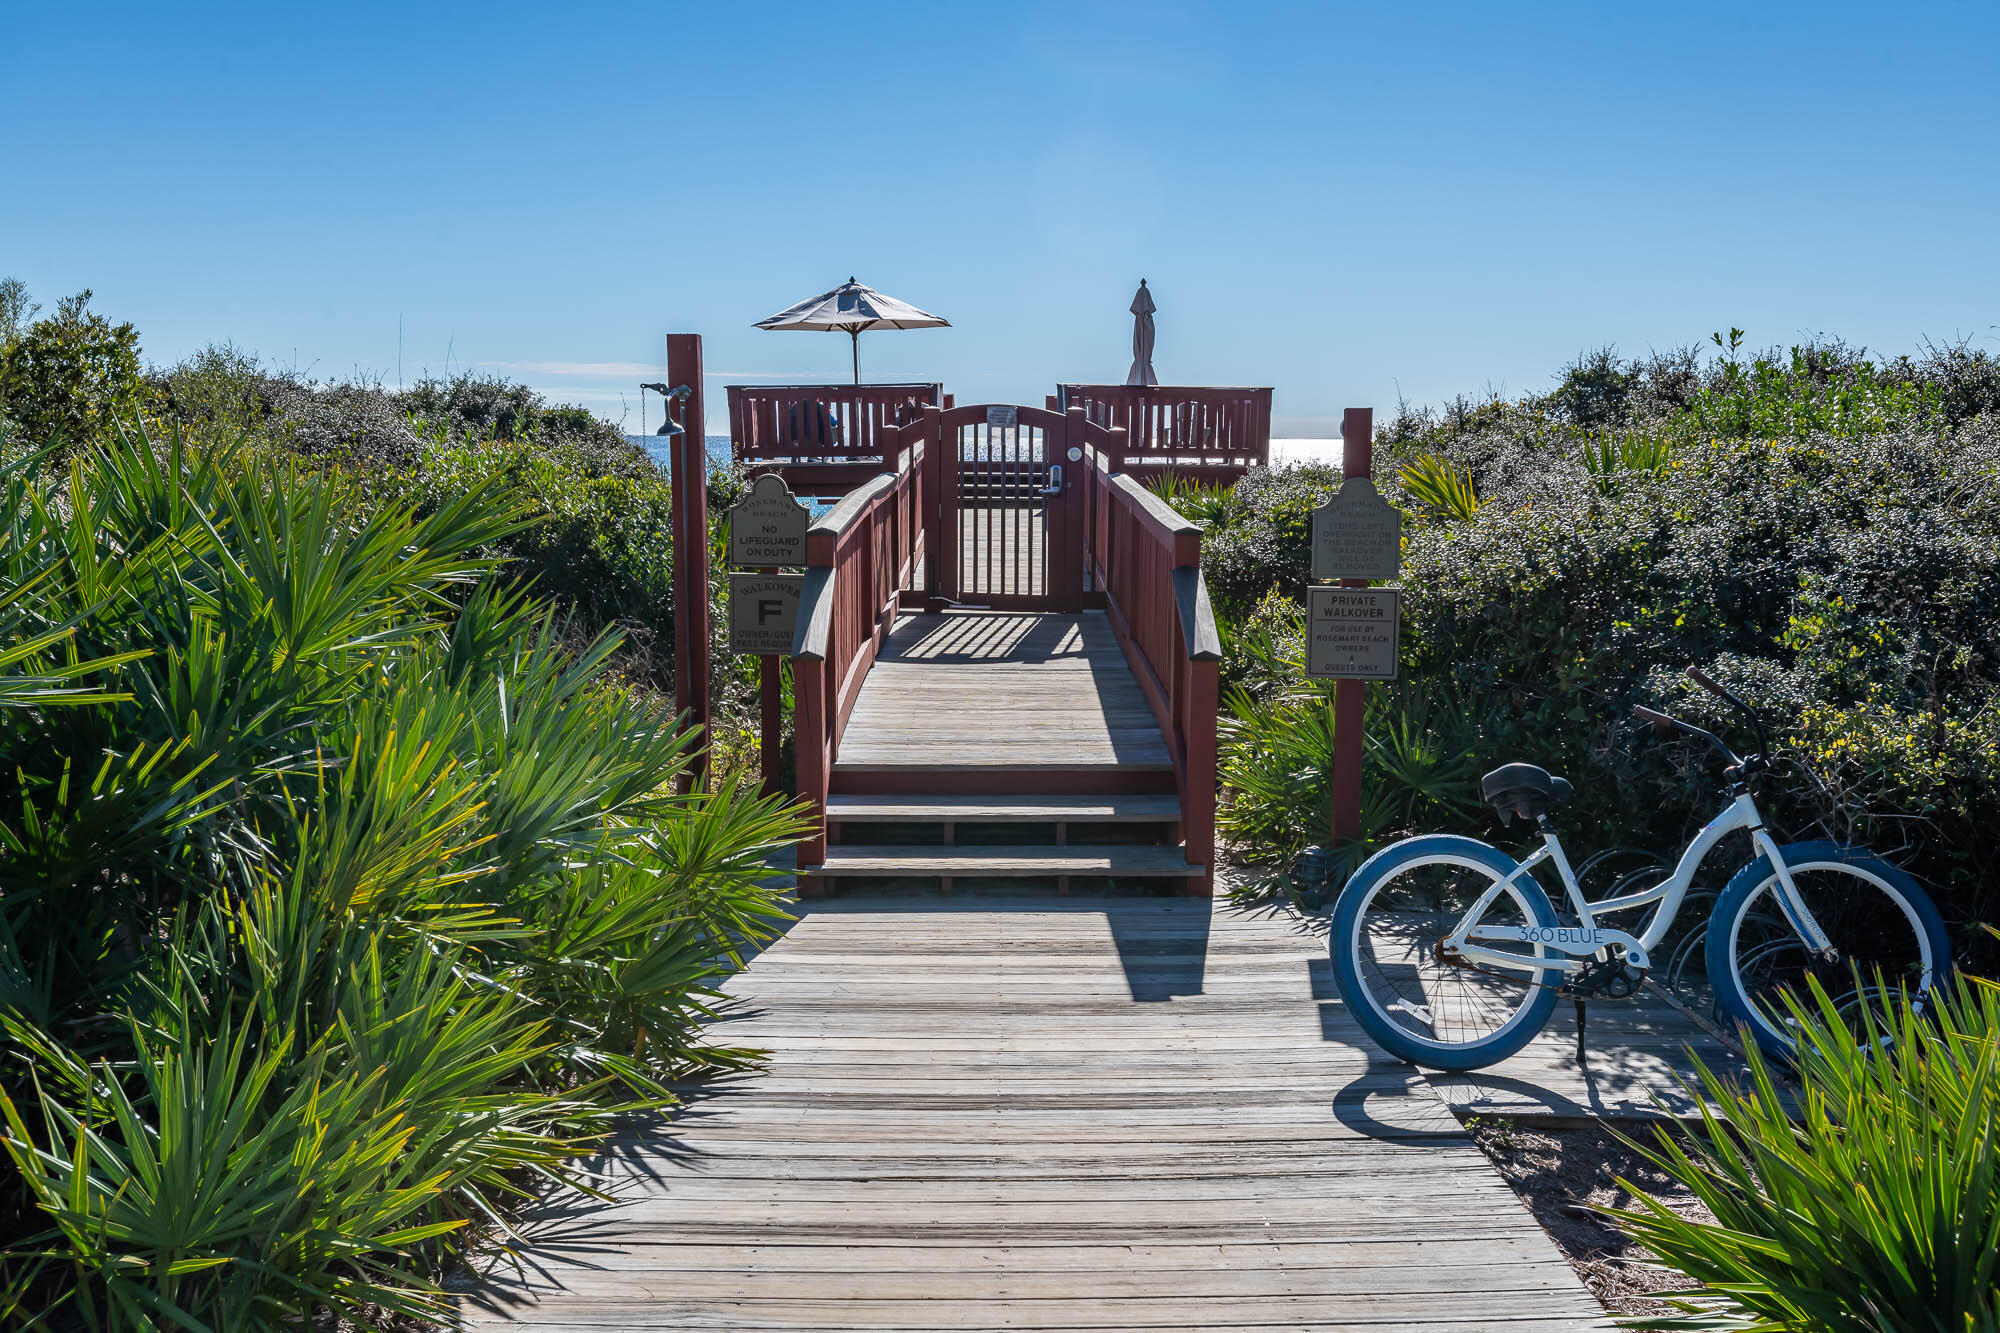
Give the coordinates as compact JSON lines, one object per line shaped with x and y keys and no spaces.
{"x":1145,"y":559}
{"x":860,"y":555}
{"x":1199,"y":429}
{"x":774,"y":424}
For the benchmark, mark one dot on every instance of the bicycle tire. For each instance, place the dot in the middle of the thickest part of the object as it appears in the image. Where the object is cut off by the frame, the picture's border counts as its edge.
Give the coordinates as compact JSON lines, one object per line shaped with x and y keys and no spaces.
{"x":1362,"y":1003}
{"x":1725,"y":927}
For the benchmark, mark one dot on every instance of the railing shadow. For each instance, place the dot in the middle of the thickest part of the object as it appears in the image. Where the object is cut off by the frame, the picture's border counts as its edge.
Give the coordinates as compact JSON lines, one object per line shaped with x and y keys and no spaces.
{"x":1162,"y":942}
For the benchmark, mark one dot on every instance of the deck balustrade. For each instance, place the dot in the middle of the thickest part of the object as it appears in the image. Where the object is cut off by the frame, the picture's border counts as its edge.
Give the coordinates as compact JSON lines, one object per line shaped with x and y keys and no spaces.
{"x":860,"y":555}
{"x":1145,"y":560}
{"x":825,"y":439}
{"x":1215,"y":434}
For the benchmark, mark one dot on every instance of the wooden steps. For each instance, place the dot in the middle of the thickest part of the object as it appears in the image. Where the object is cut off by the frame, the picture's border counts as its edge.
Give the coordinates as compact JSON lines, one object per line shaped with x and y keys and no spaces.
{"x":1113,"y":809}
{"x":1002,"y":745}
{"x":985,"y":862}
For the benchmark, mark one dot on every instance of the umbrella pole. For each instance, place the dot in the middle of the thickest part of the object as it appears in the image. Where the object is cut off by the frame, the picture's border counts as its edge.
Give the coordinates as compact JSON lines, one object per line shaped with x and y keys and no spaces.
{"x":855,"y":334}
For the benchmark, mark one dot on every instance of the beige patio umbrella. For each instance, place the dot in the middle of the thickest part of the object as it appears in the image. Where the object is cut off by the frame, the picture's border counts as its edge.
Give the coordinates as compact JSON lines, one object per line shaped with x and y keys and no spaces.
{"x":1142,"y":338}
{"x":851,"y":309}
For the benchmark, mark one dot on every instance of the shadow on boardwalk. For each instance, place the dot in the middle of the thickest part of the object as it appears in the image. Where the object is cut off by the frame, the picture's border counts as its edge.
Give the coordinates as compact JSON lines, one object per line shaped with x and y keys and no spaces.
{"x":1009,"y":1111}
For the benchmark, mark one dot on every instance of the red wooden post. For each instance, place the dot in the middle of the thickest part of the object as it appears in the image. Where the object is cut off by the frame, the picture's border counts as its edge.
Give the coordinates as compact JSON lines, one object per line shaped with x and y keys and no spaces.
{"x":771,"y":715}
{"x":1065,"y":520}
{"x":688,"y":470}
{"x":929,"y":500}
{"x":1198,"y":805}
{"x":944,"y":439}
{"x":1357,"y":459}
{"x":809,"y":706}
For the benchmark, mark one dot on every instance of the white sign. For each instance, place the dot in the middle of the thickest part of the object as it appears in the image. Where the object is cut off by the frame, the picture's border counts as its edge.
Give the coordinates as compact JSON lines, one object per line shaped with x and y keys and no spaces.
{"x":1003,"y":416}
{"x":1357,"y":534}
{"x":768,"y":527}
{"x":1351,"y":633}
{"x":763,"y":612}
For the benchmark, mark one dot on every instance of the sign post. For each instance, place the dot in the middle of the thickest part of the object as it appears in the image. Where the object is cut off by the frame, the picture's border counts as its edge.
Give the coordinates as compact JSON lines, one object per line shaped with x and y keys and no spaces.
{"x":687,"y":466}
{"x":767,"y":529}
{"x":1352,"y":630}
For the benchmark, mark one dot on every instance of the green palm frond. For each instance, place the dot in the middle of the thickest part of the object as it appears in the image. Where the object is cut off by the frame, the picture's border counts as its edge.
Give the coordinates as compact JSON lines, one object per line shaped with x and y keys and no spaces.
{"x":1442,"y":488}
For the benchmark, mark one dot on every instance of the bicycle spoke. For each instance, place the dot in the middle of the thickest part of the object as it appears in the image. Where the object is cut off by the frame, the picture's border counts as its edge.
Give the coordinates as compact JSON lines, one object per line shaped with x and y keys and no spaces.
{"x":1439,"y":1000}
{"x":1879,"y":947}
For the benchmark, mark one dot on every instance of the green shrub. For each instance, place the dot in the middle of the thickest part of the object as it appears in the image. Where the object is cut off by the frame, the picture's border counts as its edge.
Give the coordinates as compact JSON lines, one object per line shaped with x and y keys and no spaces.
{"x":1276,"y":745}
{"x":341,"y":906}
{"x":1268,"y":547}
{"x":1867,"y":1203}
{"x":65,"y":377}
{"x":1214,"y":507}
{"x":1846,"y":578}
{"x":601,"y":544}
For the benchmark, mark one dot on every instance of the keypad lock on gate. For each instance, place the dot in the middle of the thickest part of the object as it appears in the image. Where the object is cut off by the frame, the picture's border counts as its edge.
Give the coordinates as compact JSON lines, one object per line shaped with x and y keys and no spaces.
{"x":1055,"y":480}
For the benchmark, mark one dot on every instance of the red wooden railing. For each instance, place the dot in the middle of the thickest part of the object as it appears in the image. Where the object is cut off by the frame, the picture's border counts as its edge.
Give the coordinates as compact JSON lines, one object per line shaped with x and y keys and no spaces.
{"x":785,"y":424}
{"x":1208,"y":432}
{"x":860,"y":555}
{"x":1145,"y":560}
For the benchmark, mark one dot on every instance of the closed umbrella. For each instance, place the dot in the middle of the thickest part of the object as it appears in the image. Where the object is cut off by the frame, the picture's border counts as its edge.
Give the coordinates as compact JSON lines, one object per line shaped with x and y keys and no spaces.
{"x":1142,"y":338}
{"x":852,"y":308}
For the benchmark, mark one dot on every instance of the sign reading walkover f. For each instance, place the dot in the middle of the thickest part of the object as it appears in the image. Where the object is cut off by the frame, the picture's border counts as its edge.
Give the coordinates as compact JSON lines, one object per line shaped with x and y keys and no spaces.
{"x":763,"y":612}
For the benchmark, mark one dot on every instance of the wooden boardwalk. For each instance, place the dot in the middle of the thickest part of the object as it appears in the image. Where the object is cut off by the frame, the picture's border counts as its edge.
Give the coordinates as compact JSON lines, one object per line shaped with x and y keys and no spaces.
{"x":1023,"y":1112}
{"x":996,"y":690}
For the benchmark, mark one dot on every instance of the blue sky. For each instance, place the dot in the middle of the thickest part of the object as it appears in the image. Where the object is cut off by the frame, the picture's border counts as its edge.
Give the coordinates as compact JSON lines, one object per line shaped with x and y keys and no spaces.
{"x":1346,"y":202}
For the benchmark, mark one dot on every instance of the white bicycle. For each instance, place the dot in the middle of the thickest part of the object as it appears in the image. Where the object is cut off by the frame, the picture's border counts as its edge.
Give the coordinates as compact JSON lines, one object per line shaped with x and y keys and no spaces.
{"x":1450,"y":954}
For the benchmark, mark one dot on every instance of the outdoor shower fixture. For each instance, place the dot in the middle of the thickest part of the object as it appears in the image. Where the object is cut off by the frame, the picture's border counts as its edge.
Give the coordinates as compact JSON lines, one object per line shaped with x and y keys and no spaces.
{"x":681,"y":392}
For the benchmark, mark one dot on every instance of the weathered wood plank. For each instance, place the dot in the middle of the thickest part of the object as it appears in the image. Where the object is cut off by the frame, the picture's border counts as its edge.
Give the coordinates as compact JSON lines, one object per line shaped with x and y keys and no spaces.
{"x":1001,"y":690}
{"x":1028,"y":1112}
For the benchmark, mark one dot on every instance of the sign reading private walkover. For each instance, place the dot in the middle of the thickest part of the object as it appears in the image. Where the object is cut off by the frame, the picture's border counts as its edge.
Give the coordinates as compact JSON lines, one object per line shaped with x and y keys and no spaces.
{"x":1351,"y":632}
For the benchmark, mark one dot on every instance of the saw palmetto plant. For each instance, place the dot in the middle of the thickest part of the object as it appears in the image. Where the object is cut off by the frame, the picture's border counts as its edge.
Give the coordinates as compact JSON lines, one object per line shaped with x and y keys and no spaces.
{"x":1869,"y":1199}
{"x":341,"y":908}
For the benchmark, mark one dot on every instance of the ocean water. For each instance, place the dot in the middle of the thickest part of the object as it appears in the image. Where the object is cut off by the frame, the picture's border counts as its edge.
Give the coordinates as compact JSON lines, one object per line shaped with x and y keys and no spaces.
{"x":1283,"y":452}
{"x":656,"y":447}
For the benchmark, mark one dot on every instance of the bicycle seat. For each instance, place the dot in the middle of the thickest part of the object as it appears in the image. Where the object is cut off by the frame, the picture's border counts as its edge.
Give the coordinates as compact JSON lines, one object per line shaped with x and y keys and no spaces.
{"x":1526,"y":790}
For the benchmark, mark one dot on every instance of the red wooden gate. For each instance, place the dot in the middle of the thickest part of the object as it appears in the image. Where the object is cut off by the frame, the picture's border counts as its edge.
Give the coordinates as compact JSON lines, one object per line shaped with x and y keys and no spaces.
{"x":1010,"y":528}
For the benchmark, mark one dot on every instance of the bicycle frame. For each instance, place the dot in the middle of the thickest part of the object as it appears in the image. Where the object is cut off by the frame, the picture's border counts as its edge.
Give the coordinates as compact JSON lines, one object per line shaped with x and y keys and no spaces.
{"x":1588,"y":939}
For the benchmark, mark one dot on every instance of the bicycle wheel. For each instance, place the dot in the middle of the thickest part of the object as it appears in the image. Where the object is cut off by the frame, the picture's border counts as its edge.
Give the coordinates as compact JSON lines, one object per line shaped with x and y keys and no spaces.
{"x":1886,"y":934}
{"x":1387,"y":925}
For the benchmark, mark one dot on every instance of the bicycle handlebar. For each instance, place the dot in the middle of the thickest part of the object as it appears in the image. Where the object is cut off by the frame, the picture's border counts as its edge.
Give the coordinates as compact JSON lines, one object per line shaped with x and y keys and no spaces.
{"x":1660,"y":719}
{"x":1701,"y":678}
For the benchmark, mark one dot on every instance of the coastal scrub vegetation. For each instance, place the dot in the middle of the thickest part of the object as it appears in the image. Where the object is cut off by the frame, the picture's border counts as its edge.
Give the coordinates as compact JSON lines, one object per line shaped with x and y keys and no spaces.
{"x":1866,"y":1201}
{"x":347,"y":894}
{"x":1818,"y":529}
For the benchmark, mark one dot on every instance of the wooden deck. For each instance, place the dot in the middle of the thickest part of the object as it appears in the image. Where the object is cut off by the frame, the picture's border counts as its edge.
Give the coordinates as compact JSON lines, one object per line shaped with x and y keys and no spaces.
{"x":1025,"y":692}
{"x":1020,"y":1112}
{"x":1638,"y":1066}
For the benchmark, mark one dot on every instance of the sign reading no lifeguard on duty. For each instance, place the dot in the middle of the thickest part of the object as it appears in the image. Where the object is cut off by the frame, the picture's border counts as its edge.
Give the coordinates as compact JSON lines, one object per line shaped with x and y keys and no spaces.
{"x":768,"y":527}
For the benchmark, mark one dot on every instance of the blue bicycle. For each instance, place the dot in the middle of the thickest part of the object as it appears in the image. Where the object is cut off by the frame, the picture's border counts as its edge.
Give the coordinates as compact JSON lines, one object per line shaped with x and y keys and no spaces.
{"x":1450,"y":953}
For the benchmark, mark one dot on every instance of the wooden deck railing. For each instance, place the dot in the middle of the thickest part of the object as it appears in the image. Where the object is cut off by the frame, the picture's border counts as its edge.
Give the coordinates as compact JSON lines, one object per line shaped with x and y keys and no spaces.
{"x":860,"y":555}
{"x":785,"y":424}
{"x":1145,"y":559}
{"x":1206,"y":432}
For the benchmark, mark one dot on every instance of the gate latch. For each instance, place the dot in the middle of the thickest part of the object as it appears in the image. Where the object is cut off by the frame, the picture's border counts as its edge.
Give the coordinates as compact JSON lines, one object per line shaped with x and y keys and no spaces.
{"x":1055,"y":480}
